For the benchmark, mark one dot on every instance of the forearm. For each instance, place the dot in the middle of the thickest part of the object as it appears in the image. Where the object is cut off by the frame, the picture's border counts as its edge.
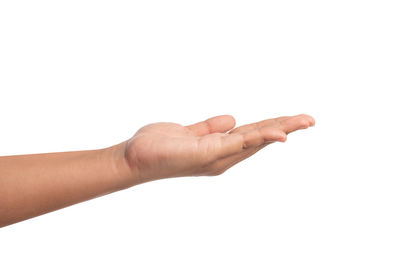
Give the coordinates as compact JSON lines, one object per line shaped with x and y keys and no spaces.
{"x":31,"y":185}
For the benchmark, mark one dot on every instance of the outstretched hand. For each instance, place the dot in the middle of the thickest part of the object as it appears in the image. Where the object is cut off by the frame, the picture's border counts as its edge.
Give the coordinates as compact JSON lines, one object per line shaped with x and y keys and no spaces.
{"x":34,"y":184}
{"x":164,"y":149}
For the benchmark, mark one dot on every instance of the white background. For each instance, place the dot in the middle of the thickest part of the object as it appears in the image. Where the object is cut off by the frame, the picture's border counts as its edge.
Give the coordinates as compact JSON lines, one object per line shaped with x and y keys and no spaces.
{"x":78,"y":75}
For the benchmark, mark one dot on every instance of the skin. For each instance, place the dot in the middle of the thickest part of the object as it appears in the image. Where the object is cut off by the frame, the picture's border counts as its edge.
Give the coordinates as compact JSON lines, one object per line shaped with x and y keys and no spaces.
{"x":35,"y":184}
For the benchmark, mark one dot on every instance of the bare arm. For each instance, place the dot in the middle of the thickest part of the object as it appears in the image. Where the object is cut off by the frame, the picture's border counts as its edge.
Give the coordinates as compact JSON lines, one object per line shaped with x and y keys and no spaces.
{"x":31,"y":185}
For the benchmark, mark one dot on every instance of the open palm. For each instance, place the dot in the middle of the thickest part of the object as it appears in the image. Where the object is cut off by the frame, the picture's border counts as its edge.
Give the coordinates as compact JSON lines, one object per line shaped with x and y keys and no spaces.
{"x":210,"y":147}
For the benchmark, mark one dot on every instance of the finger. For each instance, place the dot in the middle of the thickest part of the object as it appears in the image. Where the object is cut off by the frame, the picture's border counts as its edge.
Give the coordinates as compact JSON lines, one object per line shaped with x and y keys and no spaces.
{"x":302,"y":121}
{"x":252,"y":141}
{"x":217,"y":124}
{"x":221,"y":165}
{"x":236,"y":142}
{"x":225,"y":163}
{"x":259,"y":124}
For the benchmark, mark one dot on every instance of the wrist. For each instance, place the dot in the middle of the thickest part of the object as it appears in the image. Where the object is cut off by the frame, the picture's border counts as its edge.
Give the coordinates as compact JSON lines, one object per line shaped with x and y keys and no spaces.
{"x":125,"y":175}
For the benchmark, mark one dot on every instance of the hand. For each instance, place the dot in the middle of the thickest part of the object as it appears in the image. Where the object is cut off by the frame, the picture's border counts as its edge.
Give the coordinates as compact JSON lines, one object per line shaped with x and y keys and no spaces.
{"x":162,"y":150}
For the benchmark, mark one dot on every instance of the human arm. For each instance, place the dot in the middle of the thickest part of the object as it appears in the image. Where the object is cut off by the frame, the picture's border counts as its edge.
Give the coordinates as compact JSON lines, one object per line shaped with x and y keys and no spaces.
{"x":31,"y":185}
